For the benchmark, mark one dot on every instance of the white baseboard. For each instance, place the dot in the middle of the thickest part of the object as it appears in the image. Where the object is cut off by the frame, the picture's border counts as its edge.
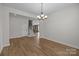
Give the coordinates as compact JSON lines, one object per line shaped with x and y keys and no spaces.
{"x":1,"y":49}
{"x":4,"y":45}
{"x":74,"y":46}
{"x":7,"y":44}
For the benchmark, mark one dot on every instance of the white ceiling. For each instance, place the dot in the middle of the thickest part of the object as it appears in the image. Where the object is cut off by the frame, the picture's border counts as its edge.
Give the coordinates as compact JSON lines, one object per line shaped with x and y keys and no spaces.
{"x":36,"y":7}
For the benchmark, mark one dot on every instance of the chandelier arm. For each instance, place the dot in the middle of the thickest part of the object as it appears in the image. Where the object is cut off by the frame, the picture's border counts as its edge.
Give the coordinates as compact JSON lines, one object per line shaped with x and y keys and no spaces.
{"x":42,"y":16}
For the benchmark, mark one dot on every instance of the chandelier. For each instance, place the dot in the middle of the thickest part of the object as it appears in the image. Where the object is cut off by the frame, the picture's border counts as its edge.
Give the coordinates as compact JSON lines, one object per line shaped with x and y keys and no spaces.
{"x":42,"y":16}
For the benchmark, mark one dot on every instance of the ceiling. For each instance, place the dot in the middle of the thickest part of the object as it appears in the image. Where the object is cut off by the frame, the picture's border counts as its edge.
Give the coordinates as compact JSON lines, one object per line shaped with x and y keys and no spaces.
{"x":35,"y":8}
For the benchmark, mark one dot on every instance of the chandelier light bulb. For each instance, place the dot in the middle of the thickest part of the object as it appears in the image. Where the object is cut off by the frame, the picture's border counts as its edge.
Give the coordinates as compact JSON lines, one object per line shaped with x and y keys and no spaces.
{"x":38,"y":16}
{"x":42,"y":15}
{"x":45,"y":16}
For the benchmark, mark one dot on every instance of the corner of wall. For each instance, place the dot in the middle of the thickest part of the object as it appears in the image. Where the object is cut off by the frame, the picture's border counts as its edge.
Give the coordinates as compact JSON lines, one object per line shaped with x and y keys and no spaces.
{"x":1,"y":49}
{"x":4,"y":45}
{"x":51,"y":39}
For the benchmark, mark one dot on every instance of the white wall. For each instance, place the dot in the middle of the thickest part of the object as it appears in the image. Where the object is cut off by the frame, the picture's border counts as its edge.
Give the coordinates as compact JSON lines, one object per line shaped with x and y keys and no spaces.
{"x":1,"y":28}
{"x":18,"y":26}
{"x":4,"y":27}
{"x":43,"y":28}
{"x":4,"y":23}
{"x":62,"y":26}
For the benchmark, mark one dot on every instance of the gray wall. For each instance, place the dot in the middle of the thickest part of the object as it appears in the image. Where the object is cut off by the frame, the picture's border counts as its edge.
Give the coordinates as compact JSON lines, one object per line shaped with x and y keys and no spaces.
{"x":62,"y":26}
{"x":1,"y":28}
{"x":4,"y":27}
{"x":18,"y":26}
{"x":4,"y":23}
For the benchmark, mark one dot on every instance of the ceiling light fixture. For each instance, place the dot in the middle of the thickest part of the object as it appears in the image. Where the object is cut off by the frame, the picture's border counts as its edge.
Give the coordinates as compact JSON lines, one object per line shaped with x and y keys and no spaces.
{"x":42,"y":16}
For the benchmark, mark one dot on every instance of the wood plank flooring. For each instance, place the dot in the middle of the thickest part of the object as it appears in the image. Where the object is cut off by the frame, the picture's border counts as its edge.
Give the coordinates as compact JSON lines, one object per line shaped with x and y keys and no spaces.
{"x":26,"y":46}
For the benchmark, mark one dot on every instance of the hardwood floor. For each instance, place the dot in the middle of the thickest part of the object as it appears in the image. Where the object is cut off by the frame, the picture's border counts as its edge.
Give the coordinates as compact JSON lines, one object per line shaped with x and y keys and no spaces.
{"x":27,"y":46}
